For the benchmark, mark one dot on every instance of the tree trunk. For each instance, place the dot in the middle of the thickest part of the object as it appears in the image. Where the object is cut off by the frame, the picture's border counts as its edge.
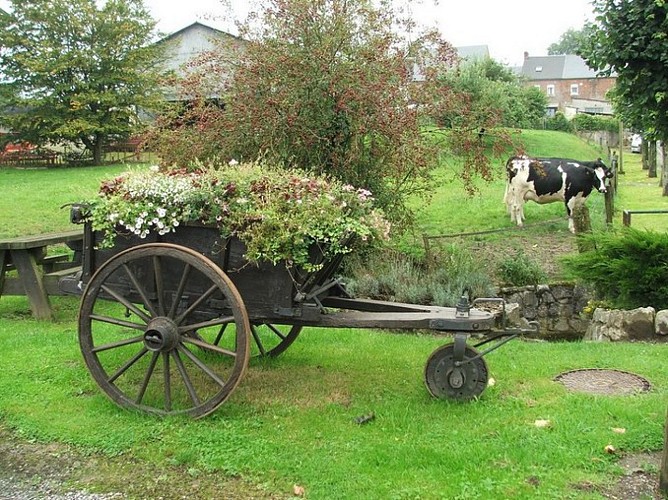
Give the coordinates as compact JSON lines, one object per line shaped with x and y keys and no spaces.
{"x":663,"y":475}
{"x":652,"y":160}
{"x":664,"y":169}
{"x":645,"y":154}
{"x":98,"y":149}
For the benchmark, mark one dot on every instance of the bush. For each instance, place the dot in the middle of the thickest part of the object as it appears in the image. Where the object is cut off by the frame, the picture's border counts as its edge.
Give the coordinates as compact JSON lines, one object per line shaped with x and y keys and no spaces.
{"x":558,"y":122}
{"x":521,"y":270}
{"x":392,"y":275}
{"x":629,"y":268}
{"x":592,"y":123}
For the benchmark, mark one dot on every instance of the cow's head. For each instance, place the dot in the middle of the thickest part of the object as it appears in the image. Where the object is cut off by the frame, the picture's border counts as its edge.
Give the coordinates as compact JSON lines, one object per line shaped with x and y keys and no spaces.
{"x":601,"y":173}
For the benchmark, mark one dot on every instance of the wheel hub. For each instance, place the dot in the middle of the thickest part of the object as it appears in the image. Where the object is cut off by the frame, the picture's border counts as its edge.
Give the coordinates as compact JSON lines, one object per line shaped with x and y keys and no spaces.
{"x":161,"y":335}
{"x":456,"y":378}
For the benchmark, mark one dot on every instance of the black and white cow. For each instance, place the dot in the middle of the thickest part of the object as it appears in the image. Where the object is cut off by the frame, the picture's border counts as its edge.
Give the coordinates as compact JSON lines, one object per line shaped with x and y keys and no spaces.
{"x":545,"y":180}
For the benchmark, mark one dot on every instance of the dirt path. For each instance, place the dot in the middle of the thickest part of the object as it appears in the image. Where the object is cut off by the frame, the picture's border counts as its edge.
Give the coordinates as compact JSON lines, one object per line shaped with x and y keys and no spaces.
{"x":53,"y":471}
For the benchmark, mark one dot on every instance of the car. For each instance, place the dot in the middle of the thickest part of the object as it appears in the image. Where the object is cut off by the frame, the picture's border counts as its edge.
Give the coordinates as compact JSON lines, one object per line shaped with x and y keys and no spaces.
{"x":636,"y":143}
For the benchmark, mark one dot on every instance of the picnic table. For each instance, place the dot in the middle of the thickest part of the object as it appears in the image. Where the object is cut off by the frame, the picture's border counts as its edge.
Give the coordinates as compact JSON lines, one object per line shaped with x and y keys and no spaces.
{"x":37,"y":273}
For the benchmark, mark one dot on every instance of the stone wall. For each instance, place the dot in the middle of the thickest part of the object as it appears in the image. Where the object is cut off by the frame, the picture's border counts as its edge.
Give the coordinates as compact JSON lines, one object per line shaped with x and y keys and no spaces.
{"x":559,"y":311}
{"x":643,"y":323}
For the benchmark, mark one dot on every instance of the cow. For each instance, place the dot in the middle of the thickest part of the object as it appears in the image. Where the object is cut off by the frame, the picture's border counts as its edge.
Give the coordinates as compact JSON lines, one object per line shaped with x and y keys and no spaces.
{"x":545,"y":180}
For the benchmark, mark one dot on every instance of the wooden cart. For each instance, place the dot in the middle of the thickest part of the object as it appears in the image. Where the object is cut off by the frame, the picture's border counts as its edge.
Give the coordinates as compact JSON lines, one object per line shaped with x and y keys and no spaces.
{"x":167,"y":324}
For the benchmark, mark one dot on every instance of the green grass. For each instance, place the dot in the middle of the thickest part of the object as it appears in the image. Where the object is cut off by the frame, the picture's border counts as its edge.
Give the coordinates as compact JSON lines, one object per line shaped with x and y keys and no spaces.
{"x":291,"y":420}
{"x":452,"y":211}
{"x":31,"y":199}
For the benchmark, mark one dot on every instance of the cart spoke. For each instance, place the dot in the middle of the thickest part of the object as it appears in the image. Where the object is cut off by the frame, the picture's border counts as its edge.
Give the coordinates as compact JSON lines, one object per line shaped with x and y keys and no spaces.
{"x":120,"y":343}
{"x":127,"y":365}
{"x":205,"y":324}
{"x":147,"y":377}
{"x":140,"y":288}
{"x":278,"y":333}
{"x":186,"y":379}
{"x":167,"y":381}
{"x":126,"y":303}
{"x":258,"y":342}
{"x":179,"y":291}
{"x":202,"y":366}
{"x":271,"y":340}
{"x":219,"y":337}
{"x":117,"y":322}
{"x":209,"y":347}
{"x":195,"y":304}
{"x":159,"y":284}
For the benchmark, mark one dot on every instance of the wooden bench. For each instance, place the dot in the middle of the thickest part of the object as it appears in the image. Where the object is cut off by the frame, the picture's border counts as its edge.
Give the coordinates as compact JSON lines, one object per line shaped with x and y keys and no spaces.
{"x":37,"y":273}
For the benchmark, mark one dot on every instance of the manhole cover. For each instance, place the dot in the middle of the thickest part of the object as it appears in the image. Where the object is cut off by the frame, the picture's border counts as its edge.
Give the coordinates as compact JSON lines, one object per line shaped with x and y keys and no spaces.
{"x":602,"y":381}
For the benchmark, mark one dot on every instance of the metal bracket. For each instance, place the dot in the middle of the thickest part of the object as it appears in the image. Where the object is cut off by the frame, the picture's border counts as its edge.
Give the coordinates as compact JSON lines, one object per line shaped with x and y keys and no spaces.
{"x":459,"y":348}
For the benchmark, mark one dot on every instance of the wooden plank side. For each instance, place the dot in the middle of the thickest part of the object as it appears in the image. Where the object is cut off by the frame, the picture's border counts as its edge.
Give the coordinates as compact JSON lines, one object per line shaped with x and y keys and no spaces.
{"x":40,"y":240}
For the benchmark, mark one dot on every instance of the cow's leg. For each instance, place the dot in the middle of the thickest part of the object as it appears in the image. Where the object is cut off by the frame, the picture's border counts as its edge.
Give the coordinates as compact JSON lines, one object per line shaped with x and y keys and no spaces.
{"x":509,"y":198}
{"x":517,"y":214}
{"x":570,"y":205}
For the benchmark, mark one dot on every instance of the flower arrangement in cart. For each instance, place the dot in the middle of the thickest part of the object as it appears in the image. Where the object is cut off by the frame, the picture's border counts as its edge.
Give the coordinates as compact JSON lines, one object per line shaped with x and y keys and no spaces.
{"x":278,"y":213}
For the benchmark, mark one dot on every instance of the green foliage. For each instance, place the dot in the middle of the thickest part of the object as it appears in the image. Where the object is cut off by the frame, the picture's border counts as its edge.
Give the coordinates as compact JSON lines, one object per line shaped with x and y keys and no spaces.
{"x":520,"y":270}
{"x":629,"y":38}
{"x":329,"y":85}
{"x":75,"y":73}
{"x":493,"y":91}
{"x":593,"y":123}
{"x":280,"y":215}
{"x":395,"y":276}
{"x":558,"y":122}
{"x":571,"y":41}
{"x":628,"y":268}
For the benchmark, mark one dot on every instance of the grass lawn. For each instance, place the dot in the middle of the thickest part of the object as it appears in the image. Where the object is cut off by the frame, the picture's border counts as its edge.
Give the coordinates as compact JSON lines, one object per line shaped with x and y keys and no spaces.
{"x":292,"y":419}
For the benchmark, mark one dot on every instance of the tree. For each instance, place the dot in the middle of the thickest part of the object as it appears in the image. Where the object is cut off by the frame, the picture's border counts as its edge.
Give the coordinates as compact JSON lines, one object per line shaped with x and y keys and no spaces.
{"x":76,"y":73}
{"x":328,"y":85}
{"x":571,"y":41}
{"x":495,"y":92}
{"x":629,"y":39}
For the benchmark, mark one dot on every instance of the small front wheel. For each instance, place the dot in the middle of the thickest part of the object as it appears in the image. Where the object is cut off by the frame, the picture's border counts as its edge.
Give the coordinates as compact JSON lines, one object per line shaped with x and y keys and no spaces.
{"x":448,"y":379}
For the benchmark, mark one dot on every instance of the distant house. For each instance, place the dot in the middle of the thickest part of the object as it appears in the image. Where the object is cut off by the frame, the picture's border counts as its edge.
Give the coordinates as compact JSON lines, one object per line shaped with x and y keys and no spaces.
{"x":570,"y":85}
{"x":473,"y":52}
{"x":185,"y":46}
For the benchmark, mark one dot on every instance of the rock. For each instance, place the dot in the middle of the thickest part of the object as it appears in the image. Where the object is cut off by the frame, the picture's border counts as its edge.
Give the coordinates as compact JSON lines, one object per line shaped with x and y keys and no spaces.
{"x":661,"y":322}
{"x":615,"y":325}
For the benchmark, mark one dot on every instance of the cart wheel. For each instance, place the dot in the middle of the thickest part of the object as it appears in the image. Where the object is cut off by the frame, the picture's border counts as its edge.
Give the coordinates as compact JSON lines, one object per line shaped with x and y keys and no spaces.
{"x":447,"y":381}
{"x":147,"y":324}
{"x":268,"y":340}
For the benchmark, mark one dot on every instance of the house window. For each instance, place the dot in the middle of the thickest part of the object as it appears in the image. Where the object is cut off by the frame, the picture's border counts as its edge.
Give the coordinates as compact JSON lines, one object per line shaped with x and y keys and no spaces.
{"x":575,"y":89}
{"x":550,"y":90}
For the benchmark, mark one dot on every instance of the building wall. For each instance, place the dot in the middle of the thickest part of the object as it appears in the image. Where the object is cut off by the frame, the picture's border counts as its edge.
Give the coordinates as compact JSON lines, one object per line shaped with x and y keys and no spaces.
{"x":188,"y":51}
{"x":594,"y":89}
